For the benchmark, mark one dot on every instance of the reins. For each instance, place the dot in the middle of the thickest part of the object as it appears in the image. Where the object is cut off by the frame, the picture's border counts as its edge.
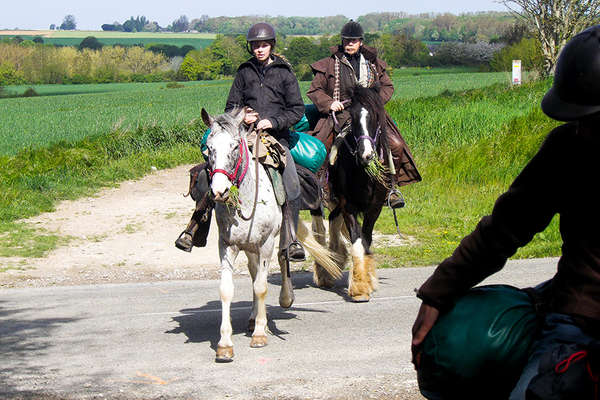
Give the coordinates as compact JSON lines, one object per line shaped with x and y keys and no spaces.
{"x":256,"y":166}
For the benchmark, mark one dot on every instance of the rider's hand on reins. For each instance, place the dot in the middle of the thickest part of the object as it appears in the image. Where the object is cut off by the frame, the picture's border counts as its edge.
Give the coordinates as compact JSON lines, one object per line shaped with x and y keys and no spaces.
{"x":336,"y":106}
{"x":250,"y":117}
{"x":264,"y":124}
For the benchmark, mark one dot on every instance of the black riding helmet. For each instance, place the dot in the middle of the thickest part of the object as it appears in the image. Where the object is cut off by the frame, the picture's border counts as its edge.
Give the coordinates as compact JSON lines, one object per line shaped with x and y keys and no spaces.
{"x":352,"y":30}
{"x":576,"y":89}
{"x":260,"y":32}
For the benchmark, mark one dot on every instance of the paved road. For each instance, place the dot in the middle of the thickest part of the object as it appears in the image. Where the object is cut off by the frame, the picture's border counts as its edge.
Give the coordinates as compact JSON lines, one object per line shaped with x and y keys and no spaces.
{"x":157,"y":340}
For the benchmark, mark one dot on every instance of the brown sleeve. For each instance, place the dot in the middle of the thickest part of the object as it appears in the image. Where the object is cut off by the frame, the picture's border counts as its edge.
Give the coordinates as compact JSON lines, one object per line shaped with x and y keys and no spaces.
{"x":318,"y":92}
{"x":387,"y":87}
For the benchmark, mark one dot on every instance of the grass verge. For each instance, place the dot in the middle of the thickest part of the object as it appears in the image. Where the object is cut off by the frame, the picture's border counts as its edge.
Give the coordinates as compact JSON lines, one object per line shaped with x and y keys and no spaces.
{"x":35,"y":179}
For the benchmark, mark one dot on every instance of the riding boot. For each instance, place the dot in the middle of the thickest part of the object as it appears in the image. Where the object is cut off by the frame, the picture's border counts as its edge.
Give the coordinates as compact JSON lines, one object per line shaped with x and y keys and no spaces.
{"x":395,"y":199}
{"x":288,"y":244}
{"x":196,"y":232}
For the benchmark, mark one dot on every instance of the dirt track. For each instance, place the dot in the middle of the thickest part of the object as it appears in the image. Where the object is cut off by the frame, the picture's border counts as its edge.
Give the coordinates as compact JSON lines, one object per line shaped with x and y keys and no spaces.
{"x":124,"y":234}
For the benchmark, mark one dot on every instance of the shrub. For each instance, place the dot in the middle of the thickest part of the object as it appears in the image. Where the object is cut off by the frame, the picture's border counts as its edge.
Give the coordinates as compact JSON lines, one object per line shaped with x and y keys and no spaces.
{"x":456,"y":53}
{"x":528,"y":50}
{"x":90,"y":42}
{"x":9,"y":75}
{"x":30,"y":92}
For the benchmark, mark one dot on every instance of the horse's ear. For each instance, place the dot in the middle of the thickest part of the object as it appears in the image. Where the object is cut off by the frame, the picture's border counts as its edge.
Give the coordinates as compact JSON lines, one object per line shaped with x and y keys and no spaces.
{"x":239,"y":117}
{"x":206,"y":118}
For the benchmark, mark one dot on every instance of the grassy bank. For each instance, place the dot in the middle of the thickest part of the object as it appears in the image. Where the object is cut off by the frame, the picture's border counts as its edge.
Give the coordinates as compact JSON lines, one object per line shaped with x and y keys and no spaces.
{"x":469,"y":147}
{"x":468,"y":144}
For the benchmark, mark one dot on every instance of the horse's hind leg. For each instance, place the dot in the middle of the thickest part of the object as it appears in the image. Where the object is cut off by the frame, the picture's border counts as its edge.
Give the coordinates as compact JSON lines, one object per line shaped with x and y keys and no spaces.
{"x":225,"y":345}
{"x":359,"y":279}
{"x":321,"y":277}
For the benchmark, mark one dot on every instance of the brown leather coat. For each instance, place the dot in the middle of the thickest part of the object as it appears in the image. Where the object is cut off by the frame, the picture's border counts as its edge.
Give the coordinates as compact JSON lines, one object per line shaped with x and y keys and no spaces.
{"x":321,"y":93}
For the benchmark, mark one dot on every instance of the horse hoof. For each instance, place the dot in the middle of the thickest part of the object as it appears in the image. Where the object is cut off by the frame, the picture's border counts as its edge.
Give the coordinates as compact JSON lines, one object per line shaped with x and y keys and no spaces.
{"x":224,"y":354}
{"x":361,"y":298}
{"x":258,"y":341}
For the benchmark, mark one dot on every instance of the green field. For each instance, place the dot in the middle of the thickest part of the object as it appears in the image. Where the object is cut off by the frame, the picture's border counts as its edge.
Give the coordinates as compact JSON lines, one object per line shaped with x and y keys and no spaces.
{"x":73,"y":38}
{"x":469,"y":144}
{"x":72,"y":112}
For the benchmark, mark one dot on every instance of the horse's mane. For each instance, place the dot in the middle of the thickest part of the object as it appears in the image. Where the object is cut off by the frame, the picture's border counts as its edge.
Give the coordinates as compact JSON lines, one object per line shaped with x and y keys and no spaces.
{"x":370,"y":99}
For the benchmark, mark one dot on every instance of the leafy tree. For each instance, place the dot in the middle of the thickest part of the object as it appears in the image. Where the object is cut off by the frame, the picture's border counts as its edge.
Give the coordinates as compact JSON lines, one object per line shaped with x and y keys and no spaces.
{"x":528,"y":50}
{"x":301,"y":50}
{"x":69,"y":23}
{"x":52,"y":27}
{"x":90,"y":42}
{"x":555,"y":22}
{"x":181,"y":24}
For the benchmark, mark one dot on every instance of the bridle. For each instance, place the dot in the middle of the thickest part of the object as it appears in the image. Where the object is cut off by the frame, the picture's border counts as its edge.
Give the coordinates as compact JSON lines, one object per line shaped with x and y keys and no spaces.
{"x":234,"y":177}
{"x":237,"y":180}
{"x":343,"y":133}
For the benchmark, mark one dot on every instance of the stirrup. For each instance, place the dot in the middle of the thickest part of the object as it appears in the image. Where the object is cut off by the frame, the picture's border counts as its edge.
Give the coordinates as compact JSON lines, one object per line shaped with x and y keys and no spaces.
{"x":182,"y":244}
{"x":401,"y":204}
{"x":298,"y":256}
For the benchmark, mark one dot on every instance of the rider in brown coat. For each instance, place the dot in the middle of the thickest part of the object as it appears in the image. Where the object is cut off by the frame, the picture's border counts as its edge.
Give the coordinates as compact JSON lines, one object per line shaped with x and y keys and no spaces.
{"x":349,"y":65}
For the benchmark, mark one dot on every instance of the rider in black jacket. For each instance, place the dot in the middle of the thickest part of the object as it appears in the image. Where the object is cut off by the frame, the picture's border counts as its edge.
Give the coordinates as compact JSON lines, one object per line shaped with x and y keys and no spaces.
{"x":268,"y":90}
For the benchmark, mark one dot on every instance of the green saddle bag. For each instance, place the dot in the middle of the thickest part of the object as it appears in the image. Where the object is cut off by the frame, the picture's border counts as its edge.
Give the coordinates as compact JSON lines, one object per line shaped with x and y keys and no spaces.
{"x":478,"y":349}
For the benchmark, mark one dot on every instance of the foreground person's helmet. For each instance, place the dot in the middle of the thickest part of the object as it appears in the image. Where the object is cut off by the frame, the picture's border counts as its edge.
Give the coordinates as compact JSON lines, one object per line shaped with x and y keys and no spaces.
{"x":352,"y":30}
{"x":260,"y":31}
{"x":576,"y":89}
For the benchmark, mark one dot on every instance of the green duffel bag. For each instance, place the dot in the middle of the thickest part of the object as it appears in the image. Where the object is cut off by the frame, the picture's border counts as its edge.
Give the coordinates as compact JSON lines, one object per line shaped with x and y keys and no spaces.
{"x":307,"y":150}
{"x":478,"y":349}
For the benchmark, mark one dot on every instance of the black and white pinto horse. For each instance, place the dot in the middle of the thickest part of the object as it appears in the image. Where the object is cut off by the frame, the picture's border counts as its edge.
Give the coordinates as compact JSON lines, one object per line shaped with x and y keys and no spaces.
{"x":252,"y":227}
{"x":354,"y":192}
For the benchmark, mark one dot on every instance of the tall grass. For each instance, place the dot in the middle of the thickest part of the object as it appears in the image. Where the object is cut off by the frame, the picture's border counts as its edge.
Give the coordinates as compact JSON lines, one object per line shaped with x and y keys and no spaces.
{"x":469,"y":147}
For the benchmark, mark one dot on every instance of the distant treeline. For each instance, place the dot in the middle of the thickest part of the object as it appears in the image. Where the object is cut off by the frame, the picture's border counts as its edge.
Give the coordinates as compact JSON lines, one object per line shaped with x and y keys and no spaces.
{"x":469,"y":27}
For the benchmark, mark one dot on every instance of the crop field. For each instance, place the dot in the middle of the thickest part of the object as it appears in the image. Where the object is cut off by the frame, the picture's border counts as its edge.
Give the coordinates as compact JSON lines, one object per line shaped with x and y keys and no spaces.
{"x":470,"y":134}
{"x":73,"y":38}
{"x":72,"y":112}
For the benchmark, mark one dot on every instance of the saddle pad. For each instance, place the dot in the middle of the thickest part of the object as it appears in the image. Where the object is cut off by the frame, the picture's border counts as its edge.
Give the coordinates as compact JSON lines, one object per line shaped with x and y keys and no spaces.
{"x":277,"y":182}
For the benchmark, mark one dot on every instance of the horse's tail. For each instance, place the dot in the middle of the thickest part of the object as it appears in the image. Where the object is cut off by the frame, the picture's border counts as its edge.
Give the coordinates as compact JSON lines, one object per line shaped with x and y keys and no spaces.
{"x":322,"y":255}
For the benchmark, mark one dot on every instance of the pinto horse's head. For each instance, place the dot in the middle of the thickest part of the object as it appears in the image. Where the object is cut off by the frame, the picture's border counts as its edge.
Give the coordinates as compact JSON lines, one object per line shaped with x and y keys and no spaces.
{"x":366,"y":111}
{"x":227,"y":151}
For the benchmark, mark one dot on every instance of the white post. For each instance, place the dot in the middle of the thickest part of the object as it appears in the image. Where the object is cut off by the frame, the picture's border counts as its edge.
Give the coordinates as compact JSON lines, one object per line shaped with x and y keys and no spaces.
{"x":516,"y":72}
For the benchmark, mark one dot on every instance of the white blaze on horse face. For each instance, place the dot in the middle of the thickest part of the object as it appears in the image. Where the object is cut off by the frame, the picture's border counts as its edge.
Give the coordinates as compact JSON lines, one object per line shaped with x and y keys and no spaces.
{"x":367,"y":153}
{"x":222,"y":147}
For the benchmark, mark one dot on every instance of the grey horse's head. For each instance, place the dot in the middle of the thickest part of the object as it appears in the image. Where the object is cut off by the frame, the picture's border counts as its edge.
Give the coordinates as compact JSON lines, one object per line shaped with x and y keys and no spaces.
{"x":225,"y":150}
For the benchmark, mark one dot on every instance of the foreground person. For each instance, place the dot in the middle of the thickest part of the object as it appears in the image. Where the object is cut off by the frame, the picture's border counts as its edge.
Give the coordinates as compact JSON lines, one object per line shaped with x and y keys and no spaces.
{"x":351,"y":64}
{"x":266,"y":86}
{"x":560,"y":179}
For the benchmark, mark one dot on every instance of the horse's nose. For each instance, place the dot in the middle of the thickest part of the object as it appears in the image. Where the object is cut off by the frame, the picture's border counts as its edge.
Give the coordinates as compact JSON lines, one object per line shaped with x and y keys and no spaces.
{"x":221,"y":196}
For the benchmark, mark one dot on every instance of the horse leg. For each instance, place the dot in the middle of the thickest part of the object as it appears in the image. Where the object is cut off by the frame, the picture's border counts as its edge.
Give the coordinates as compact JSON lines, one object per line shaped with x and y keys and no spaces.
{"x":259,"y":336}
{"x":253,"y":269}
{"x":286,"y":294}
{"x":336,"y":244}
{"x":359,"y":281}
{"x":225,"y":345}
{"x":367,"y":234}
{"x":321,"y":277}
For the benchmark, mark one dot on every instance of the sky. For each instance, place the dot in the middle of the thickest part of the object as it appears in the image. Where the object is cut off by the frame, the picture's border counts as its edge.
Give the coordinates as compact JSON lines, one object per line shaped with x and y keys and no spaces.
{"x":90,"y":15}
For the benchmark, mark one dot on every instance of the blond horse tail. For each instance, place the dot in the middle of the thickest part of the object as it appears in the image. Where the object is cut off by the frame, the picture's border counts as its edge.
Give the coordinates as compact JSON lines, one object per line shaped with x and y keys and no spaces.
{"x":322,"y":255}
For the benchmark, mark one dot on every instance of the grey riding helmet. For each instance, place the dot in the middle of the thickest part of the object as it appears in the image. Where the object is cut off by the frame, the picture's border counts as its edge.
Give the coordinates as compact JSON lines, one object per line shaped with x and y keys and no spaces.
{"x":576,"y":89}
{"x":352,"y":30}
